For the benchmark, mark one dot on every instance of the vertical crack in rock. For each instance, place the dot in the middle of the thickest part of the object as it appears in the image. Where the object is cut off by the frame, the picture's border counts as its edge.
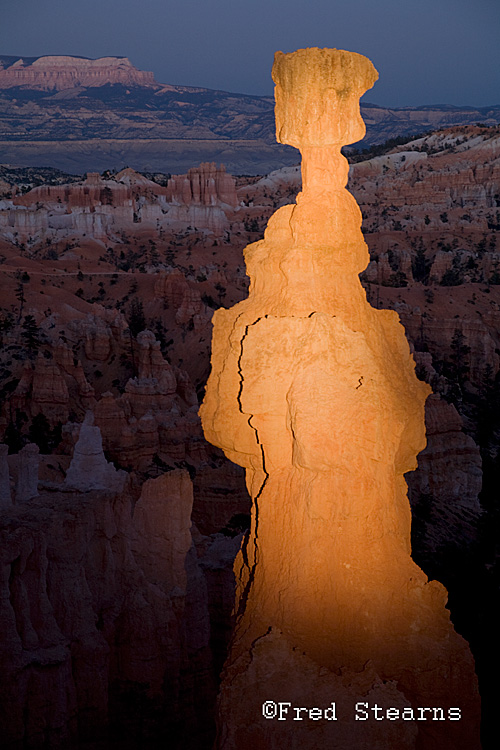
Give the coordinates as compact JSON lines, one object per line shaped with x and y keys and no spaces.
{"x":251,"y":566}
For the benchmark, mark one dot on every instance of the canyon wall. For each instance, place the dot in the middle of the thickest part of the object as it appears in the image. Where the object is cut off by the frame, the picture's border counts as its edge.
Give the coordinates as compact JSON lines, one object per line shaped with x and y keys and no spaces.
{"x":106,"y":610}
{"x":205,"y":199}
{"x":89,"y":612}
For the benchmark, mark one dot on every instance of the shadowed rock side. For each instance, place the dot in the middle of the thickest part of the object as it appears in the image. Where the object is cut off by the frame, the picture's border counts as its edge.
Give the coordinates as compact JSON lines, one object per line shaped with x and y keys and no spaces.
{"x":314,"y":392}
{"x":105,"y":620}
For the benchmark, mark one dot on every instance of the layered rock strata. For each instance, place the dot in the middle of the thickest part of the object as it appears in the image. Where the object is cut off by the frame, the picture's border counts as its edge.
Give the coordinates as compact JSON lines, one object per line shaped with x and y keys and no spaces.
{"x":444,"y":491}
{"x":205,"y":185}
{"x":314,"y":392}
{"x":59,"y":72}
{"x":204,"y":199}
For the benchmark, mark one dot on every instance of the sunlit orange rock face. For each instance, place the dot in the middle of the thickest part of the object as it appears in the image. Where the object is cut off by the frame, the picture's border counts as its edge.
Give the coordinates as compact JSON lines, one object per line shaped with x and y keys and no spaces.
{"x":314,"y":392}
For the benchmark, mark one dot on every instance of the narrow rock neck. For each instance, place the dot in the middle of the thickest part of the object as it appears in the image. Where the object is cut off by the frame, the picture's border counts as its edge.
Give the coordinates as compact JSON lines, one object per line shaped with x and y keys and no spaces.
{"x":324,"y":169}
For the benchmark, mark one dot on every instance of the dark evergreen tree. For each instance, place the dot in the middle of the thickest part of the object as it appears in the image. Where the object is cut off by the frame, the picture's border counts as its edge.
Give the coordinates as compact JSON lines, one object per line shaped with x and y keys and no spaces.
{"x":31,"y":333}
{"x":21,"y":299}
{"x":420,"y":266}
{"x":46,"y":437}
{"x":136,"y":318}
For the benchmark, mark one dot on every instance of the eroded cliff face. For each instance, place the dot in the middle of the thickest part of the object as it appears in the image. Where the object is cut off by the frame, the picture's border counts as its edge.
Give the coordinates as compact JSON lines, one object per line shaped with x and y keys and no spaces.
{"x":314,"y":392}
{"x":104,"y":617}
{"x":205,"y":199}
{"x":60,"y":72}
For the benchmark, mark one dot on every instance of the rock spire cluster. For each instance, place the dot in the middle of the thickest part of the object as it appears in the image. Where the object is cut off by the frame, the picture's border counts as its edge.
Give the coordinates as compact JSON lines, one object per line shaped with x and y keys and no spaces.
{"x":314,"y":392}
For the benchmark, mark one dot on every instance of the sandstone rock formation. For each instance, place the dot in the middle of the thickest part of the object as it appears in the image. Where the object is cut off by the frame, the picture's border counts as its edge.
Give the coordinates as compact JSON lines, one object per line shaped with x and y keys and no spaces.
{"x":205,"y":199}
{"x":104,"y":620}
{"x":314,"y":392}
{"x":205,"y":185}
{"x":41,"y":389}
{"x":89,"y":469}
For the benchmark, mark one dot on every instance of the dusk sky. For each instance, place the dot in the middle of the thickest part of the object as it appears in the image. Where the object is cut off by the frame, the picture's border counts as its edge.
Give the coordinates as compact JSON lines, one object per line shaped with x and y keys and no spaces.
{"x":426,"y":51}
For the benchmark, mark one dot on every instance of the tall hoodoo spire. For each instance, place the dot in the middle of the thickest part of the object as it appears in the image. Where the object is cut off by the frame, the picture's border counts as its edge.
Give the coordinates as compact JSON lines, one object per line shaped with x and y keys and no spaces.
{"x":314,"y":392}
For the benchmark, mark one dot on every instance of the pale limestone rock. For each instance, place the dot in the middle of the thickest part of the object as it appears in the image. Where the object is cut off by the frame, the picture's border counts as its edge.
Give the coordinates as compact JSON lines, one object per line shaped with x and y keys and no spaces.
{"x":314,"y":392}
{"x":204,"y":200}
{"x":27,"y":473}
{"x":5,"y":495}
{"x":89,"y":469}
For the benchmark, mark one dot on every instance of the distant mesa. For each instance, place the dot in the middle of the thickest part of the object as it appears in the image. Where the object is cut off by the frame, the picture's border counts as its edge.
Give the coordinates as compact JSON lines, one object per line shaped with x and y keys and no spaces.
{"x":59,"y":72}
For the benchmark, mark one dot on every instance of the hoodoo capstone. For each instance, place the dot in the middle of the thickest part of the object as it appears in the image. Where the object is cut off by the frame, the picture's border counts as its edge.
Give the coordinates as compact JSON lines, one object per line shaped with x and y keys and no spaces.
{"x":314,"y":392}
